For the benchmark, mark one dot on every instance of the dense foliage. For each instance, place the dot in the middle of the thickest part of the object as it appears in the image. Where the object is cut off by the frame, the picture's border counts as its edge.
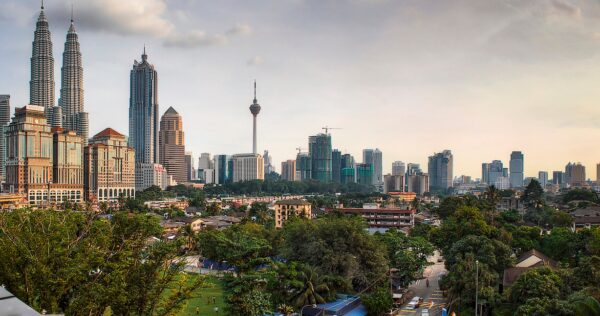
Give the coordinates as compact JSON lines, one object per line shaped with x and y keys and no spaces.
{"x":78,"y":264}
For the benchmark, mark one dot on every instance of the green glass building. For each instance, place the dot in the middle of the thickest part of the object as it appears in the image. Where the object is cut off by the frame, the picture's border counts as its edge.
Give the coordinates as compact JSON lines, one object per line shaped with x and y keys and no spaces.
{"x":320,"y":152}
{"x":303,"y":167}
{"x":364,"y":174}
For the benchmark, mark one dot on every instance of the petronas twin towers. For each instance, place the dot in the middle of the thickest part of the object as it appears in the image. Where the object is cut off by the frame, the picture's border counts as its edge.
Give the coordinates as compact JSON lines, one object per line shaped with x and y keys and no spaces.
{"x":69,"y":113}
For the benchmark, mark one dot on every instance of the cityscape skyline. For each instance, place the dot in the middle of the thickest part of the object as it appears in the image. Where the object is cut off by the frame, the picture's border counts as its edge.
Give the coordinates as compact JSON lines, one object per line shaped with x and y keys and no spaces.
{"x":228,"y":134}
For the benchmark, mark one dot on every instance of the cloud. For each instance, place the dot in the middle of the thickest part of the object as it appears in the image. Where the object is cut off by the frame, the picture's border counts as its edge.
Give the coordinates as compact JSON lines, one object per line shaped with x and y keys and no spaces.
{"x":255,"y":61}
{"x":142,"y":18}
{"x":566,"y":9}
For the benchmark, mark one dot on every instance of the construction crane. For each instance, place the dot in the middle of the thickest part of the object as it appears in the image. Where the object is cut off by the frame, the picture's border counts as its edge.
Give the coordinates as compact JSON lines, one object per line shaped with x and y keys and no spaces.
{"x":327,"y":128}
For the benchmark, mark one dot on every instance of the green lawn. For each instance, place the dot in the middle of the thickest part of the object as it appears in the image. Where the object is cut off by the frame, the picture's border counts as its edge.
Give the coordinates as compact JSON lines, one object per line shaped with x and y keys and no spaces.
{"x":202,"y":299}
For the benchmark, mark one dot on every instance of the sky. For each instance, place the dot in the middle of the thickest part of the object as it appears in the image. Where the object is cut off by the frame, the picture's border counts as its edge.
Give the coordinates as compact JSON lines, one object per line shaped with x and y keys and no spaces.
{"x":410,"y":77}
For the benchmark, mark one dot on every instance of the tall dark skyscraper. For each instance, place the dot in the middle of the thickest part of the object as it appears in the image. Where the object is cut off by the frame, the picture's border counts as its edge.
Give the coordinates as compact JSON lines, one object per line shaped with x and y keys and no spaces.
{"x":516,"y":169}
{"x":71,"y":92}
{"x":4,"y":120}
{"x":336,"y":166}
{"x":254,"y":109}
{"x":440,"y":170}
{"x":41,"y":86}
{"x":143,"y":111}
{"x":320,"y":151}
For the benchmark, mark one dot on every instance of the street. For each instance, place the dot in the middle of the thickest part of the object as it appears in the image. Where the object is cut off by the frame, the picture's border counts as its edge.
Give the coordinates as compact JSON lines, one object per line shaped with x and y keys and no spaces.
{"x":433,"y":299}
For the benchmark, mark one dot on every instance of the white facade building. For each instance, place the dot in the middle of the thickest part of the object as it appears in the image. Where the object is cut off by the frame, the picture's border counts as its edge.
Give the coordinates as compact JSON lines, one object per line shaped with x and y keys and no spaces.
{"x":248,"y":167}
{"x":148,"y":174}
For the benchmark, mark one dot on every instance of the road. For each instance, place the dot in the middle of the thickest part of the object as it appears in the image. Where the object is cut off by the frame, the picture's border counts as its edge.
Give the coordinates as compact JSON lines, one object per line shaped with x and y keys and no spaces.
{"x":432,"y":296}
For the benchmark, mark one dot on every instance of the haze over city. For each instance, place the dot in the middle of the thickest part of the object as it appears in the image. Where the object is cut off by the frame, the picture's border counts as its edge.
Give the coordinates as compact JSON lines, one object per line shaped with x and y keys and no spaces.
{"x":411,"y":78}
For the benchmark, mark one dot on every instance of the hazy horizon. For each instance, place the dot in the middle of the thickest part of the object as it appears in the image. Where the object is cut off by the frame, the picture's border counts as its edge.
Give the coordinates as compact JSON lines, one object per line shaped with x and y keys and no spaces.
{"x":481,"y":78}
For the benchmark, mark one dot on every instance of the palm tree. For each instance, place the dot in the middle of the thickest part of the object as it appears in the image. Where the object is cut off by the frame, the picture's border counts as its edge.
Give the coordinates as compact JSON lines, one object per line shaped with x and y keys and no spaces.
{"x":286,"y":310}
{"x":189,"y":233}
{"x":313,"y":288}
{"x":492,"y":196}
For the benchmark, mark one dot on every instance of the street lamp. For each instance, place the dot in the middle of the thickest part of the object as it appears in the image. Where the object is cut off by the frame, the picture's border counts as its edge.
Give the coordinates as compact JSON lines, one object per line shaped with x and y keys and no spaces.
{"x":311,"y":305}
{"x":476,"y":285}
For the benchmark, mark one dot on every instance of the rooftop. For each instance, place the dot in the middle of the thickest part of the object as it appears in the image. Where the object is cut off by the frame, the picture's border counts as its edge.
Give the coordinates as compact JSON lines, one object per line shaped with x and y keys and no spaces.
{"x":109,"y":132}
{"x":292,"y":202}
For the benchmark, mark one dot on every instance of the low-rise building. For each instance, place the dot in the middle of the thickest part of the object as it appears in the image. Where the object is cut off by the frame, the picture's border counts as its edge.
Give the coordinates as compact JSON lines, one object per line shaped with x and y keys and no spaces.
{"x":382,"y":219}
{"x":152,"y":174}
{"x":181,"y":204}
{"x":586,"y":217}
{"x":285,"y":209}
{"x":527,"y":261}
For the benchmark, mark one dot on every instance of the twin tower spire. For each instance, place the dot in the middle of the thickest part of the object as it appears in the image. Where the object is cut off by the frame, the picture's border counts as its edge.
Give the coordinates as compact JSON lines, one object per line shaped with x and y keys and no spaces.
{"x":69,"y":113}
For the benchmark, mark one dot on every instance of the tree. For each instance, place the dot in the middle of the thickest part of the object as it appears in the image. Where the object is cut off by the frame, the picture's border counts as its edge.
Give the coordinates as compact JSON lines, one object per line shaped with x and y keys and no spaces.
{"x":311,"y":288}
{"x":533,"y":196}
{"x":580,"y":194}
{"x":246,"y":295}
{"x":492,"y":196}
{"x":242,"y":246}
{"x":561,"y":244}
{"x":336,"y":246}
{"x":465,"y":221}
{"x":451,"y":204}
{"x":378,"y":302}
{"x":540,"y":283}
{"x":76,"y":263}
{"x":408,"y":255}
{"x":544,"y":307}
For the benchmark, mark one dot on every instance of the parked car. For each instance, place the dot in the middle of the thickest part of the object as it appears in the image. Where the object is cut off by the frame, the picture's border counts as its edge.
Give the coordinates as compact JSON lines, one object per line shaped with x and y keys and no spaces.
{"x":414,"y":303}
{"x":424,"y":312}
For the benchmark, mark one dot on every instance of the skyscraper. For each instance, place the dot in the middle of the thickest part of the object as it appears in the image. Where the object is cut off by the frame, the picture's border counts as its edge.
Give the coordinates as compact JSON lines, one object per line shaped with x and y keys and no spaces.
{"x":4,"y":120}
{"x":143,"y":111}
{"x":364,"y":174}
{"x":303,"y":167}
{"x":248,"y":167}
{"x":374,"y":157}
{"x":41,"y":85}
{"x":254,"y":109}
{"x":558,"y":177}
{"x":575,"y":174}
{"x":492,"y":171}
{"x":320,"y":150}
{"x":172,"y":145}
{"x":348,"y":172}
{"x":543,"y":178}
{"x":398,"y":168}
{"x":288,"y":170}
{"x":336,"y":166}
{"x":189,"y":166}
{"x":28,"y":170}
{"x":223,"y":170}
{"x":268,"y":163}
{"x":109,"y":167}
{"x":440,"y":171}
{"x":71,"y":92}
{"x":516,"y":169}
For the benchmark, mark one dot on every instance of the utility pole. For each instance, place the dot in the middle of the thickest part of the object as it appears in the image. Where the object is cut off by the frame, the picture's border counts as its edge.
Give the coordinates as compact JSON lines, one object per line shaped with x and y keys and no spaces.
{"x":476,"y":287}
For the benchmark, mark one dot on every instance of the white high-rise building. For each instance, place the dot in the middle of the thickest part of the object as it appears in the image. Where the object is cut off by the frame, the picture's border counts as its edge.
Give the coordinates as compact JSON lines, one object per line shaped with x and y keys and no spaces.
{"x":374,"y":157}
{"x":248,"y":167}
{"x":398,"y":168}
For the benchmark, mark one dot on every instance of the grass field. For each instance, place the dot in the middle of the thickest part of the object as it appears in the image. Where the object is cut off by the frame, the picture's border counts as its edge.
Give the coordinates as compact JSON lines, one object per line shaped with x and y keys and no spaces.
{"x":203,"y":298}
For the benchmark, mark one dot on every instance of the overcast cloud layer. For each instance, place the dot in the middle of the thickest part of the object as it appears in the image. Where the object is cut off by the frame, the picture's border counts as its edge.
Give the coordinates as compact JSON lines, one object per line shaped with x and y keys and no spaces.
{"x":410,"y":77}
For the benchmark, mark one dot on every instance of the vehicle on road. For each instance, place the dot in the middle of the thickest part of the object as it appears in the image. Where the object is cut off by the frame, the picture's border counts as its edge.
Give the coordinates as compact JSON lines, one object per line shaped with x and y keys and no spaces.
{"x":425,"y":312}
{"x":414,"y":303}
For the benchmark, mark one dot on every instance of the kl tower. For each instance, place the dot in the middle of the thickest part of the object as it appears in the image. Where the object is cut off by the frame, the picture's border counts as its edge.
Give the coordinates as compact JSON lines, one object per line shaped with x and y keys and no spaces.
{"x":254,"y":109}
